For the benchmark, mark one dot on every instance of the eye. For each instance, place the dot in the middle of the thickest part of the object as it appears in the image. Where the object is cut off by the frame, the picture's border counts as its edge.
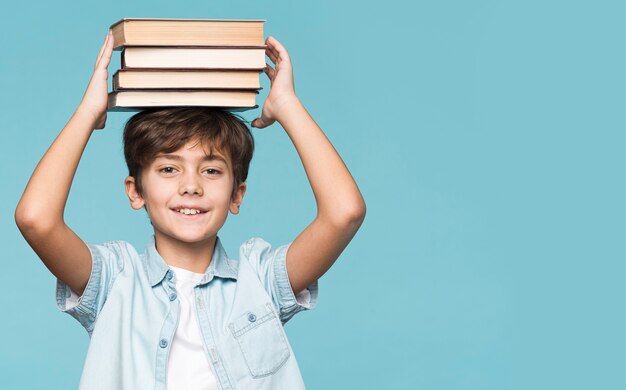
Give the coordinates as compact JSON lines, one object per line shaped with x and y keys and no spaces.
{"x":212,"y":171}
{"x":167,"y":170}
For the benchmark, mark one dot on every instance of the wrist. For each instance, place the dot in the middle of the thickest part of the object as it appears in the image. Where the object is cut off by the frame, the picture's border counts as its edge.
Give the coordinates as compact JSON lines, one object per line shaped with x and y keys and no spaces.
{"x":86,"y":115}
{"x":285,"y":106}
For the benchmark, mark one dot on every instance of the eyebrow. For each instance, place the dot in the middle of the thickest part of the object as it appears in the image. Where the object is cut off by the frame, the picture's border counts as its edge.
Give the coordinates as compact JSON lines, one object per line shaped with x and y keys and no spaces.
{"x":211,"y":157}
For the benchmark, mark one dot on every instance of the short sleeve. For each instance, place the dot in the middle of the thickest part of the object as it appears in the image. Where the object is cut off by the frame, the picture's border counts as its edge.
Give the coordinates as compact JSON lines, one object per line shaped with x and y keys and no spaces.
{"x":107,"y":262}
{"x":271,"y":266}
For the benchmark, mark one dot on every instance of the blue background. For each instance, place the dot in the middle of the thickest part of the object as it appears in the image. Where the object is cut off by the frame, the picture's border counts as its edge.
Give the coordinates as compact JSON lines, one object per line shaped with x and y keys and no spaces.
{"x":487,"y":138}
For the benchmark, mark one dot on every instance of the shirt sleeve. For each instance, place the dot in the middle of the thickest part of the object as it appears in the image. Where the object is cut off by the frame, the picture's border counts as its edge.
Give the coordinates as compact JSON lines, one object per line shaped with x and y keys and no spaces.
{"x":271,"y":266}
{"x":107,"y":262}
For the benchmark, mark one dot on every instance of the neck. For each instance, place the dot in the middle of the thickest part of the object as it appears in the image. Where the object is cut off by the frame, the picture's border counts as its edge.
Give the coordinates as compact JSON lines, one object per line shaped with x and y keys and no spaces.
{"x":194,"y":257}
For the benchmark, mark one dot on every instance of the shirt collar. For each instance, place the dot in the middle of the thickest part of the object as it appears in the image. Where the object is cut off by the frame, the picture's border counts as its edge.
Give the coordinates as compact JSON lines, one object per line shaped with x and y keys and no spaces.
{"x":220,"y":266}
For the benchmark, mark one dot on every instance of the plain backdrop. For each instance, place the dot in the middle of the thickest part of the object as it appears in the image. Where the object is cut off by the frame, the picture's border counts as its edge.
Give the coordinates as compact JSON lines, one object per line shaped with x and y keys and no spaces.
{"x":487,"y":138}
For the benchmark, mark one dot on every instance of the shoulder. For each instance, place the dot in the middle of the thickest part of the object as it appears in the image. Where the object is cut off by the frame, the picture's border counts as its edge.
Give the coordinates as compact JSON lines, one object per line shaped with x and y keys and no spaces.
{"x":251,"y":242}
{"x":257,"y":247}
{"x":261,"y":255}
{"x":119,"y":247}
{"x":270,"y":267}
{"x":117,"y":251}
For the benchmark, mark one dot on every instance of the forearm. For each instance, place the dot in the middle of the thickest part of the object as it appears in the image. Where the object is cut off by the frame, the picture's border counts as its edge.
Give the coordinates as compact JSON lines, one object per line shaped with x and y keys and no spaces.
{"x":336,"y":193}
{"x":43,"y":202}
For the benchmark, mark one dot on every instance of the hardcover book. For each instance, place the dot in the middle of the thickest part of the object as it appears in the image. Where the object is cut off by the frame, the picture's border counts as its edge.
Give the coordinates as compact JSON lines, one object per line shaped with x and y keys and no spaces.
{"x":183,"y":32}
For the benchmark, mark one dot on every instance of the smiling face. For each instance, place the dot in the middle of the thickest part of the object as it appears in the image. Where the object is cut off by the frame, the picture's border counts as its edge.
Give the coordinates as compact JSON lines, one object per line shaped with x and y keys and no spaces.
{"x":187,"y":194}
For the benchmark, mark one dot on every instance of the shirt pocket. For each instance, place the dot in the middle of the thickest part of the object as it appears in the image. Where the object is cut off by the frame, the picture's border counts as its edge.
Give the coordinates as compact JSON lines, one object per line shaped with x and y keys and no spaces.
{"x":261,"y":339}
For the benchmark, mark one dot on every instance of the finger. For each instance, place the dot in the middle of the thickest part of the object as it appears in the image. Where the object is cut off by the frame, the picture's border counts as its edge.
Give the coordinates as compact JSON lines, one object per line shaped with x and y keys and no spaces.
{"x":105,"y":59}
{"x":271,"y":48}
{"x":257,"y":123}
{"x":102,"y":49}
{"x":269,"y":71}
{"x":108,"y":53}
{"x":276,"y":46}
{"x":272,"y":56}
{"x":107,"y":46}
{"x":261,"y":123}
{"x":102,"y":122}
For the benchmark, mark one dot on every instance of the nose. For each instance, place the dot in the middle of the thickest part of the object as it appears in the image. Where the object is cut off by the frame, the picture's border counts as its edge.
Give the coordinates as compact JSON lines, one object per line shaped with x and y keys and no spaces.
{"x":190,"y":184}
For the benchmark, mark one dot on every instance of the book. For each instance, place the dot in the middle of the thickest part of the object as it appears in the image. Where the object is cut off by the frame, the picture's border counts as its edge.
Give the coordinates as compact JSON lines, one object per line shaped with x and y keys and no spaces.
{"x":118,"y":100}
{"x":185,"y":79}
{"x":183,"y":32}
{"x":187,"y":62}
{"x":194,"y":57}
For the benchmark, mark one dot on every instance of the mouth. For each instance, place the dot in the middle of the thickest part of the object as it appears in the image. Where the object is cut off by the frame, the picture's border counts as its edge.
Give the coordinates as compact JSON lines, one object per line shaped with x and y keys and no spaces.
{"x":189,"y":211}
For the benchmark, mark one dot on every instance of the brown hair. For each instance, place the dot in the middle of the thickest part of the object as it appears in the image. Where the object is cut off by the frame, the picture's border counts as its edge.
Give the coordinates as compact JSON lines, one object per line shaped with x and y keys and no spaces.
{"x":155,"y":131}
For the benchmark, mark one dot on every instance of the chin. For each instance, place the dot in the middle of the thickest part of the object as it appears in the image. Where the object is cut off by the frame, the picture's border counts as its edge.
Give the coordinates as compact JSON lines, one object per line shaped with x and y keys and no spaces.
{"x":194,"y":239}
{"x":187,"y":238}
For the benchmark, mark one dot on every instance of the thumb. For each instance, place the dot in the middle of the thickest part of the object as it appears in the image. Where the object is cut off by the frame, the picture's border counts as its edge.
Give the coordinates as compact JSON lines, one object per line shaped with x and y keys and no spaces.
{"x":101,"y":122}
{"x":259,"y":123}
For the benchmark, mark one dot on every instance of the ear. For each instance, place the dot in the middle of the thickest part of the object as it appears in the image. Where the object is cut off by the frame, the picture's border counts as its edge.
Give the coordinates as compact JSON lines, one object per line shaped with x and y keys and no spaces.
{"x":136,"y":201}
{"x":235,"y":202}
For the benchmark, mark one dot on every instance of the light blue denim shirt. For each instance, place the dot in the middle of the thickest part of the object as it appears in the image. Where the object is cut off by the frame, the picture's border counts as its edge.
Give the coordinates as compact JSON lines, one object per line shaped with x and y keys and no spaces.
{"x":130,"y":310}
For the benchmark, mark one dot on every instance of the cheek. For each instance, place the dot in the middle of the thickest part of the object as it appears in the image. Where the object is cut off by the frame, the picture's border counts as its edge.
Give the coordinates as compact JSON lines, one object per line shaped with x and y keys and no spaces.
{"x":221,"y":198}
{"x":158,"y":194}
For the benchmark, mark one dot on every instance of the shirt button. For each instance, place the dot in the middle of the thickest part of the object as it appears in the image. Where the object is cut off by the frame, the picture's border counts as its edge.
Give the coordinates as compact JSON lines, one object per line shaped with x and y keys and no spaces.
{"x":172,"y":296}
{"x":251,"y":317}
{"x":163,"y":343}
{"x":169,"y":275}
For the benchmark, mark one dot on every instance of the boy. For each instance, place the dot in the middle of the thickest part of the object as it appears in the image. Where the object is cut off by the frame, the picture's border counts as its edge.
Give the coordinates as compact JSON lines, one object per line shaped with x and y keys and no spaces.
{"x":183,"y":315}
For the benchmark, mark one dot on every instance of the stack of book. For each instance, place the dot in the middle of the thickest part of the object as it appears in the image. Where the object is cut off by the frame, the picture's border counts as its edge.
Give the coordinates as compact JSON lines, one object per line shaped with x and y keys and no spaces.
{"x":187,"y":62}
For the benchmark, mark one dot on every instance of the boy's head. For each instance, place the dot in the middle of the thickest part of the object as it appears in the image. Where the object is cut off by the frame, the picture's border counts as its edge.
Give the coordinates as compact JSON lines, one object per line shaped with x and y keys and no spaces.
{"x":156,"y":131}
{"x":187,"y":167}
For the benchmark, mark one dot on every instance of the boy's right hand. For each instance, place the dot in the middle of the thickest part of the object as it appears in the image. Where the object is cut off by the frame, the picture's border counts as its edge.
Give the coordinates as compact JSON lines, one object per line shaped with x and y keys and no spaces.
{"x":95,"y":99}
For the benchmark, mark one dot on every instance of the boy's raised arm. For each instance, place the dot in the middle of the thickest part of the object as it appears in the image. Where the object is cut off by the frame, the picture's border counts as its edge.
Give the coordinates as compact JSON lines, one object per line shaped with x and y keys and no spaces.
{"x":340,"y":205}
{"x":39,"y":213}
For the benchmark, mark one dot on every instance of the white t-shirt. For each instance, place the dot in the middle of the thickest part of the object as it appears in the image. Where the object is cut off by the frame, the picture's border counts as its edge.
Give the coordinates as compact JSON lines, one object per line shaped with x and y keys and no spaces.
{"x":188,"y":367}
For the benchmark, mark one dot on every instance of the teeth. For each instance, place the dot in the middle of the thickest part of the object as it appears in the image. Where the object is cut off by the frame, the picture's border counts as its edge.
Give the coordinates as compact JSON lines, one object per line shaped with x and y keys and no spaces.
{"x":189,"y":211}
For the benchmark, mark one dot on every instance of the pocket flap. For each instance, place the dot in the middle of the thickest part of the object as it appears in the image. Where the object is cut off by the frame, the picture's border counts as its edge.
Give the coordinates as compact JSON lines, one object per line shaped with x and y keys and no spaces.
{"x":251,"y":319}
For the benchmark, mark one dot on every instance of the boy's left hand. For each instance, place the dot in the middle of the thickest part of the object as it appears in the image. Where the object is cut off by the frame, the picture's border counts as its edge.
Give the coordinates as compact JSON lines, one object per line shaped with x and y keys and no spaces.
{"x":281,"y":78}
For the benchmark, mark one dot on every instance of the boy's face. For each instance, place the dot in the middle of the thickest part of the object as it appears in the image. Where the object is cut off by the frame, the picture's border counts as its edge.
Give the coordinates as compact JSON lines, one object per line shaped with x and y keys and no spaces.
{"x":187,"y":194}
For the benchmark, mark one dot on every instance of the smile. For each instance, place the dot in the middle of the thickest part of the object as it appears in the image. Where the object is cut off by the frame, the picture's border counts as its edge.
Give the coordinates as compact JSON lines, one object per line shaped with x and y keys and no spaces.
{"x":189,"y":211}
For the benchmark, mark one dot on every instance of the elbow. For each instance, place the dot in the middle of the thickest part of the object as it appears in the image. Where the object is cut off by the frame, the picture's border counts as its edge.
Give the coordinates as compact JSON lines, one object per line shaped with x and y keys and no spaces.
{"x":352,"y":216}
{"x":22,"y":217}
{"x":25,"y":220}
{"x":356,"y":215}
{"x":30,"y":222}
